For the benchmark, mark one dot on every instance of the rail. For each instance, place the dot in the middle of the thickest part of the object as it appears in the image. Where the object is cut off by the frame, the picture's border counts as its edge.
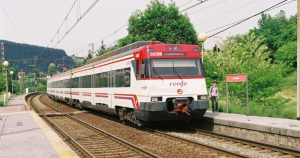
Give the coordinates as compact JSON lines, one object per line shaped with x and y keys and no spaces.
{"x":99,"y":131}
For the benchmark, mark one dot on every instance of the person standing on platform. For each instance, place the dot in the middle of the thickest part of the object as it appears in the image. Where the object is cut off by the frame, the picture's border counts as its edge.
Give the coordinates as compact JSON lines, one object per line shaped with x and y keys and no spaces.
{"x":213,"y":93}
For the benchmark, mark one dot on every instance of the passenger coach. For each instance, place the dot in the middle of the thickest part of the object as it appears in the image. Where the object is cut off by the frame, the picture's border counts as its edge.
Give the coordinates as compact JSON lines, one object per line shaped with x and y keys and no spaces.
{"x":141,"y":82}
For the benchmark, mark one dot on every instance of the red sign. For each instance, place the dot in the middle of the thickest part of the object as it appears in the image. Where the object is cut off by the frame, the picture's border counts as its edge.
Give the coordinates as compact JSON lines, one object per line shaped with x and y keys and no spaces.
{"x":236,"y":78}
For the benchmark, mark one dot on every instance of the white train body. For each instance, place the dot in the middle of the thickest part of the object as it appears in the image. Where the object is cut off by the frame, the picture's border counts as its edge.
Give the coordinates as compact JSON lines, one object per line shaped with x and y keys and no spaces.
{"x":152,"y":82}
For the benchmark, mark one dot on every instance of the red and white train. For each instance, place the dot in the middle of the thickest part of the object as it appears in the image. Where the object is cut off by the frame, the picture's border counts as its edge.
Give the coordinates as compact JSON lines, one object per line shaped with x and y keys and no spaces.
{"x":141,"y":82}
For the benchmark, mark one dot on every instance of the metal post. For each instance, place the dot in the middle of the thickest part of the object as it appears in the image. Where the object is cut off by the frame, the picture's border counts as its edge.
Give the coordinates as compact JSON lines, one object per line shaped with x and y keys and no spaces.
{"x":202,"y":51}
{"x":298,"y":60}
{"x":247,"y":101}
{"x":227,"y":104}
{"x":12,"y":85}
{"x":6,"y":82}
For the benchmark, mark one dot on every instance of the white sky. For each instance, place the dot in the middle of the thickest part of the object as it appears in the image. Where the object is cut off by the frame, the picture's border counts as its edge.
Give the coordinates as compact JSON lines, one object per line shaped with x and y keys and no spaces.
{"x":38,"y":20}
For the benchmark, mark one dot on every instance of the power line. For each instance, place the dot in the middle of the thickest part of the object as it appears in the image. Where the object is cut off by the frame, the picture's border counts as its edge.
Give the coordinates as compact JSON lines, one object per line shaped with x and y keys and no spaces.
{"x":78,"y":20}
{"x":242,"y":19}
{"x":186,"y":3}
{"x":188,"y":8}
{"x":64,"y":20}
{"x":114,"y":32}
{"x":212,"y":5}
{"x":230,"y":11}
{"x":250,"y":17}
{"x":118,"y":29}
{"x":13,"y":25}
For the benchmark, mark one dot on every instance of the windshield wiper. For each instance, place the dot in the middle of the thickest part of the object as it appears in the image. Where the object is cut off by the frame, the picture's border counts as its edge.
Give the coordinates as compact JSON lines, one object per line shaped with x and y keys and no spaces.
{"x":155,"y":72}
{"x":176,"y":71}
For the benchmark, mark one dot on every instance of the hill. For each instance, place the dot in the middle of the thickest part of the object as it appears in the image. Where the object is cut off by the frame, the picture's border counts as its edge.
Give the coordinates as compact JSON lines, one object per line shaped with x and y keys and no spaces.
{"x":21,"y":56}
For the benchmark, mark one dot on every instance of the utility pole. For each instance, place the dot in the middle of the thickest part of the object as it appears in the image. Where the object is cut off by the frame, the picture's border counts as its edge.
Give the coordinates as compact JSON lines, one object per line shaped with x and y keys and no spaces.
{"x":4,"y":66}
{"x":2,"y":53}
{"x":35,"y":73}
{"x":298,"y":60}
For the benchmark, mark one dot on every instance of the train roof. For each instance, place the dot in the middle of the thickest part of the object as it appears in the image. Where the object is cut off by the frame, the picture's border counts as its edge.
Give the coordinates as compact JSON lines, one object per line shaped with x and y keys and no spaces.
{"x":112,"y":53}
{"x":126,"y":48}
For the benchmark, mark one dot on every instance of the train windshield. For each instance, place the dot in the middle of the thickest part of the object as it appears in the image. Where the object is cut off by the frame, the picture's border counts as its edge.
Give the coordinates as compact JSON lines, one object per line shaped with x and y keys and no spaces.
{"x":160,"y":68}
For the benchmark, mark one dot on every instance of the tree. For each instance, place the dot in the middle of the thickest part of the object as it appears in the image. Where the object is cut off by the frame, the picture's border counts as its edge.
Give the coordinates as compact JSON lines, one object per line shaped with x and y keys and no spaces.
{"x":246,"y":54}
{"x":277,"y":30}
{"x":52,"y":69}
{"x":162,"y":23}
{"x":287,"y":55}
{"x":102,"y":49}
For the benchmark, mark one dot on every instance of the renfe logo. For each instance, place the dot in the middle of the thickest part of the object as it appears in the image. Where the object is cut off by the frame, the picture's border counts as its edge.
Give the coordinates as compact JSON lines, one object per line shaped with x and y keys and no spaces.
{"x":176,"y":84}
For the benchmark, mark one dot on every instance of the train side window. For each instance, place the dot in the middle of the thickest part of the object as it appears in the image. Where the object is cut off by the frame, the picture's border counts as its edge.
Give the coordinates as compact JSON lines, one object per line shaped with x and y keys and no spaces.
{"x":119,"y":74}
{"x":127,"y":77}
{"x":81,"y":81}
{"x":122,"y":77}
{"x":96,"y":81}
{"x":104,"y":79}
{"x":74,"y":82}
{"x":87,"y":80}
{"x":135,"y":68}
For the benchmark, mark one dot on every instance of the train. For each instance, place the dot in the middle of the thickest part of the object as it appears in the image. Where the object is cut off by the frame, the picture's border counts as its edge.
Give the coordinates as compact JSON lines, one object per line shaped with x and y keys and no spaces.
{"x":147,"y":81}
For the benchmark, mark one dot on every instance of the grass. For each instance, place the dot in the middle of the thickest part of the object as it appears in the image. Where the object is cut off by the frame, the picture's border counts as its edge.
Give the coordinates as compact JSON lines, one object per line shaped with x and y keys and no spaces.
{"x":1,"y":100}
{"x":281,"y":105}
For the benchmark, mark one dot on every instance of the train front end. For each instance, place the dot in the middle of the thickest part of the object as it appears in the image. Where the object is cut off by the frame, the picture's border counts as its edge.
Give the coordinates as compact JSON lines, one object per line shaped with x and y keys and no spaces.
{"x":170,"y":82}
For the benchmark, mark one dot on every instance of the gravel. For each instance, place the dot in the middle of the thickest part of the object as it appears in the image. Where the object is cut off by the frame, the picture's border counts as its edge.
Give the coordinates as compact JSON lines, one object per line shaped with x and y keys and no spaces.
{"x":216,"y":144}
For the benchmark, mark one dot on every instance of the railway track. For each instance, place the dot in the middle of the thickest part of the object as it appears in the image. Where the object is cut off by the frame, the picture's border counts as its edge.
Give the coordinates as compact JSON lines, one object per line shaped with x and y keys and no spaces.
{"x":190,"y":138}
{"x":88,"y":140}
{"x":238,"y":146}
{"x":151,"y":141}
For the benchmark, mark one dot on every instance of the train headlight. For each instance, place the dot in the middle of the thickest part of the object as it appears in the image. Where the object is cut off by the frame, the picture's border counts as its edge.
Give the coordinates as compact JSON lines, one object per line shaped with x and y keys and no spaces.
{"x":202,"y":97}
{"x":156,"y":99}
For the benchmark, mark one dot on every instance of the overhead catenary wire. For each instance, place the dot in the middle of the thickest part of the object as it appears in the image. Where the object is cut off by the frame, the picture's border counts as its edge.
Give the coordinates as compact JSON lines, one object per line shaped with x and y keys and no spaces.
{"x":212,"y":5}
{"x":190,"y":7}
{"x":230,"y":11}
{"x":121,"y":27}
{"x":63,"y":22}
{"x":186,"y":3}
{"x":78,"y":20}
{"x":12,"y":23}
{"x":250,"y":17}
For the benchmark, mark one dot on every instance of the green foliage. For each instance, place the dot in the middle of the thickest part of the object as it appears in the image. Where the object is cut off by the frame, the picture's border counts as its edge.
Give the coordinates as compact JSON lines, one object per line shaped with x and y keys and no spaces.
{"x":52,"y":69}
{"x":101,"y":50}
{"x":161,"y":22}
{"x":18,"y":52}
{"x":287,"y":56}
{"x":245,"y":54}
{"x":277,"y":30}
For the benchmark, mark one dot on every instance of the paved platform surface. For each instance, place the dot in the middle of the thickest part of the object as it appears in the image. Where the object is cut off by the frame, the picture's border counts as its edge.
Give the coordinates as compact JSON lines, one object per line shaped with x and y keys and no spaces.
{"x":24,"y":134}
{"x":256,"y":120}
{"x":15,"y":104}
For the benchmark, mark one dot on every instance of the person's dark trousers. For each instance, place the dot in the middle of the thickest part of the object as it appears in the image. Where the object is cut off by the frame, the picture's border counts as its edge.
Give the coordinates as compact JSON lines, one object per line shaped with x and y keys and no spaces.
{"x":214,"y":101}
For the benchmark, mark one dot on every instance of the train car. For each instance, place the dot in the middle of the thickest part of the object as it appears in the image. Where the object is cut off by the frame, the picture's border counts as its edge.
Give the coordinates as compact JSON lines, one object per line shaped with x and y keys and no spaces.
{"x":141,"y":82}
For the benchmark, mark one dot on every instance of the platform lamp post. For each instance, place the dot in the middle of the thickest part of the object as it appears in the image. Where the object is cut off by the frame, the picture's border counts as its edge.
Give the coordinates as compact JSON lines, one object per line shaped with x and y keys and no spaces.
{"x":202,"y":38}
{"x":12,"y":83}
{"x":4,"y":66}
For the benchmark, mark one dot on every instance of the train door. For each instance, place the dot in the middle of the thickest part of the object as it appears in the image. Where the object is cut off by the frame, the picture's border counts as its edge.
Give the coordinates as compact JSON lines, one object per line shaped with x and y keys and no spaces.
{"x":110,"y":89}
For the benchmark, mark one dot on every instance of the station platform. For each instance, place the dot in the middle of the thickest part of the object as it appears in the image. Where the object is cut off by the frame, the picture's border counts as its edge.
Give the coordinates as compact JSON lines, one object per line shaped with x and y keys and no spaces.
{"x":272,"y":131}
{"x":25,"y":134}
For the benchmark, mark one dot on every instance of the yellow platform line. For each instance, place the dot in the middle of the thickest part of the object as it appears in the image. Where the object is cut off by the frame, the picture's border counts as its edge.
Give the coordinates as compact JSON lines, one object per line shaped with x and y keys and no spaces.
{"x":62,"y":149}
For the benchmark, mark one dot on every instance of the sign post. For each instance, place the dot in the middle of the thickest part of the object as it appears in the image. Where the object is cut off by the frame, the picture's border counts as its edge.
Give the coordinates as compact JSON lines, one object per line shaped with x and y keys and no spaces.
{"x":236,"y":78}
